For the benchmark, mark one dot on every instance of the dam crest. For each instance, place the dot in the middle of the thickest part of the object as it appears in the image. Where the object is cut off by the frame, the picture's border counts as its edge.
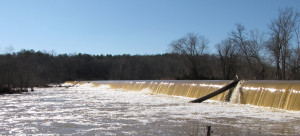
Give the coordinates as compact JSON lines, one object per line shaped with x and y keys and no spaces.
{"x":266,"y":93}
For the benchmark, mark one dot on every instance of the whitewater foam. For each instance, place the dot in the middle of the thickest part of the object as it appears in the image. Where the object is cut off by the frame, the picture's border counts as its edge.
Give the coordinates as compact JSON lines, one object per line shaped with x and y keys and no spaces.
{"x":87,"y":110}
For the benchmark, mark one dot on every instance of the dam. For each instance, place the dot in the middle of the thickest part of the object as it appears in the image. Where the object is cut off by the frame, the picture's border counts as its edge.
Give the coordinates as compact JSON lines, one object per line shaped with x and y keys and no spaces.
{"x":266,"y":93}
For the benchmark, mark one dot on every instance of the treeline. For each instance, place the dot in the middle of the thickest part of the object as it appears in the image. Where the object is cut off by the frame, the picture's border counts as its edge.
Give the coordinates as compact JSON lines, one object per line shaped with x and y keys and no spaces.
{"x":29,"y":68}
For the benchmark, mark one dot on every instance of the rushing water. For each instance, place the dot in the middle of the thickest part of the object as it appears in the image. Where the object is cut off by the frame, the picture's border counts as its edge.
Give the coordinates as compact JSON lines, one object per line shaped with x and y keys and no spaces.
{"x":86,"y":110}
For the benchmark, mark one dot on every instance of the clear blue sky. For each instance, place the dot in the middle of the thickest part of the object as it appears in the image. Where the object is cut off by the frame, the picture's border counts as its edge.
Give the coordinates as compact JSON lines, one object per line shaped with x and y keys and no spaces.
{"x":126,"y":26}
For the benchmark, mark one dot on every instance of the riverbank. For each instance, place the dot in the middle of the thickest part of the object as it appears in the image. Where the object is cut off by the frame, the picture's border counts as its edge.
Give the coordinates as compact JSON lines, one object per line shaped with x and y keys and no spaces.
{"x":13,"y":91}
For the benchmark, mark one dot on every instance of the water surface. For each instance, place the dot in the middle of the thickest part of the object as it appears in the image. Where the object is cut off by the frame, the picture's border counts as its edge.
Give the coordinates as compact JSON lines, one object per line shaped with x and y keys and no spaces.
{"x":86,"y":110}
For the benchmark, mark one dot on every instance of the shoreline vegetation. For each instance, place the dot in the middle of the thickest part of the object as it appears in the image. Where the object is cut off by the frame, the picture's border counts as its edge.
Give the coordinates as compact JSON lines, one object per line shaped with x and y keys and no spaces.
{"x":6,"y":90}
{"x":12,"y":91}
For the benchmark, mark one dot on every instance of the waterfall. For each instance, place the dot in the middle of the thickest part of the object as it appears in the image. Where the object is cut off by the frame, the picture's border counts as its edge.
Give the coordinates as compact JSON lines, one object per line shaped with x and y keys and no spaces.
{"x":266,"y":93}
{"x":236,"y":93}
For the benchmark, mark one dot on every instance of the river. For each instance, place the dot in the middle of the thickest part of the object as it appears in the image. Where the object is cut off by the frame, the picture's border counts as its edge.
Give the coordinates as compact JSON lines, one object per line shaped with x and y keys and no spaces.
{"x":87,"y":110}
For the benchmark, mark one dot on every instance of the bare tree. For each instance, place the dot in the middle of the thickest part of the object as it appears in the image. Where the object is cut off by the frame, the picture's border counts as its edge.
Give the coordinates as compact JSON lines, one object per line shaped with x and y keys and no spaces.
{"x":228,"y":54}
{"x":294,"y":57}
{"x":282,"y":32}
{"x":191,"y":47}
{"x":250,"y":47}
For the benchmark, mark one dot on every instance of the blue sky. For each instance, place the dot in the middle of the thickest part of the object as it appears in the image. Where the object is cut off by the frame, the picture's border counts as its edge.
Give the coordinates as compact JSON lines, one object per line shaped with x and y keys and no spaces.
{"x":126,"y":26}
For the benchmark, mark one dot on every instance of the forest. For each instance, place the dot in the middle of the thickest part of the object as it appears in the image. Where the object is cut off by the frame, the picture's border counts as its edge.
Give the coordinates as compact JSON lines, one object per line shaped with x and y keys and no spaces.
{"x":250,"y":55}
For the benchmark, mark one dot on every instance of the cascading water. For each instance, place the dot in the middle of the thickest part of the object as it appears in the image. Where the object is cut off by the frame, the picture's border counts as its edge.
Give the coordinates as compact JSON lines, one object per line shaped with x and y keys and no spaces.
{"x":277,"y":94}
{"x":236,"y":93}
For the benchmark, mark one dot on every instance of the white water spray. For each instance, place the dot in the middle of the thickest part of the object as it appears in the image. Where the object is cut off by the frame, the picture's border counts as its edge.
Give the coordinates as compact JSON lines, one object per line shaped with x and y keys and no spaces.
{"x":236,"y":94}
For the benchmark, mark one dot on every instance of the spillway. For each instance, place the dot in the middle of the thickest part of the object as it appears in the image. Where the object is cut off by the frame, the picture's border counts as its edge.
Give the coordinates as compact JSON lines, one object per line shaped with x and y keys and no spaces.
{"x":267,"y":93}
